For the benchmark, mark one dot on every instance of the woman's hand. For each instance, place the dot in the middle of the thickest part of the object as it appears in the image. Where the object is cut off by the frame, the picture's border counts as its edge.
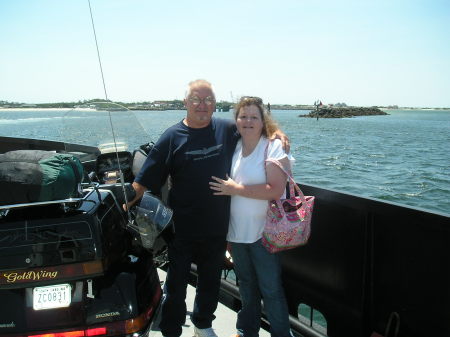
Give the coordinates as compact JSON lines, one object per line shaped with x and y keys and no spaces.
{"x":224,"y":187}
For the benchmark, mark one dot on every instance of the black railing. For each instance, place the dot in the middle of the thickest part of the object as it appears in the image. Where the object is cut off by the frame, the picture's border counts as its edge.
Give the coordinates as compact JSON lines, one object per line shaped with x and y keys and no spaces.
{"x":367,"y":259}
{"x":366,"y":262}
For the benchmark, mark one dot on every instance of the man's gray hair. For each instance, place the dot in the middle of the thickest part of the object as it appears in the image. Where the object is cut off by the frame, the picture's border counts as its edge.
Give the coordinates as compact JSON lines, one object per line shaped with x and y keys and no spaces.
{"x":198,"y":83}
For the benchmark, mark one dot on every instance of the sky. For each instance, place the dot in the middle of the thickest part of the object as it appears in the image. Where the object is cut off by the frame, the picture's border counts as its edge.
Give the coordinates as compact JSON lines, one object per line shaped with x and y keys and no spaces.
{"x":362,"y":53}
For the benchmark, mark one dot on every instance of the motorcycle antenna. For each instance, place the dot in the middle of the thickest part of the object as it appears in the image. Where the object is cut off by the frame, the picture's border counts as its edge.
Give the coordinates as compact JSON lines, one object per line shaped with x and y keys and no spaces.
{"x":122,"y":181}
{"x":98,"y":52}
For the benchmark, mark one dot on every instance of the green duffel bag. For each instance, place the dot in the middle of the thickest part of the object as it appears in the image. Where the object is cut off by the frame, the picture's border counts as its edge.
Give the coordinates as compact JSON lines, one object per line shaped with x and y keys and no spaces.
{"x":33,"y":175}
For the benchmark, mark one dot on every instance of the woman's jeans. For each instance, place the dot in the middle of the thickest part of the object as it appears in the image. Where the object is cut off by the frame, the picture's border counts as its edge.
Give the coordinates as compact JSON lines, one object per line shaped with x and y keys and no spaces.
{"x":209,"y":255}
{"x":259,"y":273}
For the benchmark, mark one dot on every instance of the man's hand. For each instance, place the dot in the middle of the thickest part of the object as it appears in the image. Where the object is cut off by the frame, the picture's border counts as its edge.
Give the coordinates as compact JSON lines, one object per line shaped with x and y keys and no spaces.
{"x":284,"y":140}
{"x":139,"y":189}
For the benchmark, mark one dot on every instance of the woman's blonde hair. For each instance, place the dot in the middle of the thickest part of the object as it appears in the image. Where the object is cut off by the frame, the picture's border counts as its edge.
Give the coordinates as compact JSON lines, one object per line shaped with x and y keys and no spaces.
{"x":269,"y":124}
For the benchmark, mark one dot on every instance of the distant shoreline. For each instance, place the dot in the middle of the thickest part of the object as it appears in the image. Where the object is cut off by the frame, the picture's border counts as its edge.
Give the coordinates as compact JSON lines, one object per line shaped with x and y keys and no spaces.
{"x":273,"y":108}
{"x":44,"y":109}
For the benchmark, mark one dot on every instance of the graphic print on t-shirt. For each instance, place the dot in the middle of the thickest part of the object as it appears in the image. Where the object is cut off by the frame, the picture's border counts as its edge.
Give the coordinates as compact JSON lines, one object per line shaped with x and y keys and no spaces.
{"x":205,"y":152}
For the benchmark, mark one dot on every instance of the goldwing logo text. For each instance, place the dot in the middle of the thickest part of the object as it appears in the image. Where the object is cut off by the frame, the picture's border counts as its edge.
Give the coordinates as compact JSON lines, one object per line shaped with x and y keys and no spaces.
{"x":29,"y":276}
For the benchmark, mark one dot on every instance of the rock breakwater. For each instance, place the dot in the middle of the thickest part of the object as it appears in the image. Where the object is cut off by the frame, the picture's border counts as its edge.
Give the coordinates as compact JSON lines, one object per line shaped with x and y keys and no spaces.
{"x":344,"y":112}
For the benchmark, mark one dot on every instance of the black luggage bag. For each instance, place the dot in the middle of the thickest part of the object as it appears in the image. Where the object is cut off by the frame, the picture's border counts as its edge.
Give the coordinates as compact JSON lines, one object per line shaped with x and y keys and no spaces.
{"x":32,"y":175}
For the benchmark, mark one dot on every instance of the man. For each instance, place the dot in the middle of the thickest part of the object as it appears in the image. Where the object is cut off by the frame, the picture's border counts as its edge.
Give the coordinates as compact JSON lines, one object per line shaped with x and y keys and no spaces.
{"x":192,"y":151}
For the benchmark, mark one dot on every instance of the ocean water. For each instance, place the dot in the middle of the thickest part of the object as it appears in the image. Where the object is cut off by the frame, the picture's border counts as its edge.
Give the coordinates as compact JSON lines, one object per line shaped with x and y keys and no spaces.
{"x":402,"y":157}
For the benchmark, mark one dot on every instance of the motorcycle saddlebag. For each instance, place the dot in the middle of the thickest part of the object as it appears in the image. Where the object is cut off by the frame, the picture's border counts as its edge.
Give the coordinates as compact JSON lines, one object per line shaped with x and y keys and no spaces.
{"x":33,"y":175}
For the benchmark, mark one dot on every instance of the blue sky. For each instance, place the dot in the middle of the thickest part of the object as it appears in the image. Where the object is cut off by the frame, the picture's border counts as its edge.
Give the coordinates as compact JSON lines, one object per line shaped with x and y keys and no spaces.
{"x":286,"y":51}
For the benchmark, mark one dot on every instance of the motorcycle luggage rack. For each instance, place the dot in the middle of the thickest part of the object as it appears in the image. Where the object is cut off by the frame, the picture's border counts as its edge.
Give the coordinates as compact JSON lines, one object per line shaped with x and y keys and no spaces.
{"x":52,"y":202}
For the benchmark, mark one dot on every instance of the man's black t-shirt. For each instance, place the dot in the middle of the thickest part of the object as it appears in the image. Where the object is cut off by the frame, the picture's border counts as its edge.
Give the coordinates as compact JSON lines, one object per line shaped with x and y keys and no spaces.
{"x":191,"y":156}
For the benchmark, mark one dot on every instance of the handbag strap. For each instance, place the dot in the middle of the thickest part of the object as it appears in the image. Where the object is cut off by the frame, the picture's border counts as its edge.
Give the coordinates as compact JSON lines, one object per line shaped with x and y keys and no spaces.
{"x":292,"y":184}
{"x":265,"y":153}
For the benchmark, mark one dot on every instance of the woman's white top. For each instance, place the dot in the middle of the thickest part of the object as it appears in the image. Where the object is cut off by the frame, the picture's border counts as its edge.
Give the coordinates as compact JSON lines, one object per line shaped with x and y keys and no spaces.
{"x":247,"y":216}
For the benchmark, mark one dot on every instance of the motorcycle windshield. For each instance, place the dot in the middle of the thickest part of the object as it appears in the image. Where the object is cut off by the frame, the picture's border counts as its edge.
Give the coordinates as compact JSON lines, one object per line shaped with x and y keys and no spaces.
{"x":108,"y":126}
{"x":104,"y":136}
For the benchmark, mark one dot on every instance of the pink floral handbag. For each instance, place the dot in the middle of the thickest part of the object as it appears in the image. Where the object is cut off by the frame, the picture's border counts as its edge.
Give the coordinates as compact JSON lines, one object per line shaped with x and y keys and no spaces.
{"x":288,"y":221}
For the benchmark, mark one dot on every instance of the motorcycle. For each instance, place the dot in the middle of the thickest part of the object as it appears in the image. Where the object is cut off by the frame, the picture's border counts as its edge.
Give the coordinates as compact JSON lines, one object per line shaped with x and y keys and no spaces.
{"x":80,"y":265}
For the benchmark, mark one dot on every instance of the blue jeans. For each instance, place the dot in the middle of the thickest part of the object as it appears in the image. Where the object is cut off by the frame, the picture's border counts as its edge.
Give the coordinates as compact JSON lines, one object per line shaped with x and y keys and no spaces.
{"x":259,"y":274}
{"x":209,"y":255}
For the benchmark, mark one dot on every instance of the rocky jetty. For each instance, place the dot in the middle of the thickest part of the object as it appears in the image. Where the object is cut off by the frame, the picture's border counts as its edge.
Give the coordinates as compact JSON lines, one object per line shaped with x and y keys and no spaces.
{"x":343,"y":112}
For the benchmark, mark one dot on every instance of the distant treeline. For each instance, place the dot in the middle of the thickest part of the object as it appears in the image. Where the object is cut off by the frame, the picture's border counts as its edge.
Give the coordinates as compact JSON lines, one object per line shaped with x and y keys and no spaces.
{"x":146,"y":105}
{"x":178,"y":105}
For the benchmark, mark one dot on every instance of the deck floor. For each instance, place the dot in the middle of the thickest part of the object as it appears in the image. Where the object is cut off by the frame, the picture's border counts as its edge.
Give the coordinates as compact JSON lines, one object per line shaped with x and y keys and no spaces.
{"x":223,"y":325}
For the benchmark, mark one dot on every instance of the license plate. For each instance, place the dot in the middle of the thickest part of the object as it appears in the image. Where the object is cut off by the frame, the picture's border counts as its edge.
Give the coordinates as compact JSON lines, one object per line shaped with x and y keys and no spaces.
{"x":51,"y":297}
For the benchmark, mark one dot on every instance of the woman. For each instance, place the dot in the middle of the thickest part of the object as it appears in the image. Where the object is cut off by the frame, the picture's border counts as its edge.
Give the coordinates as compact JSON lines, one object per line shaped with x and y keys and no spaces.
{"x":251,"y":184}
